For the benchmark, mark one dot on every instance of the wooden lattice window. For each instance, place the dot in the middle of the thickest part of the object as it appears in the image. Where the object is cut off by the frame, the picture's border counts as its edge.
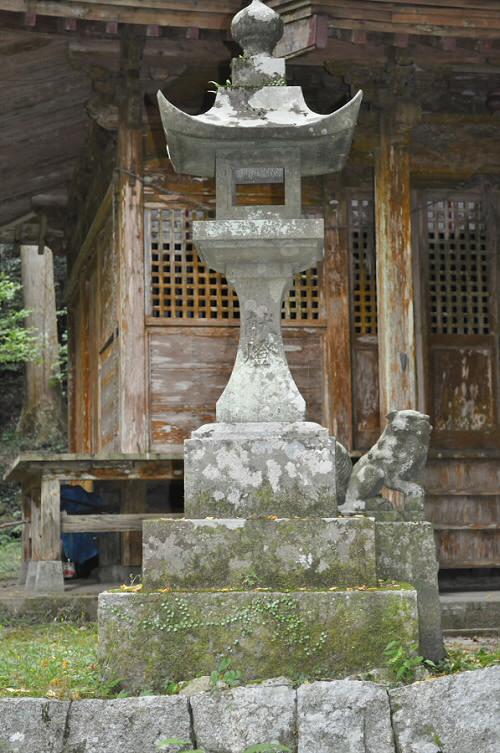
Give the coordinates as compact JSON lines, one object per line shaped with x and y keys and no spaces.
{"x":363,"y":271}
{"x":302,"y":303}
{"x":459,"y":290}
{"x":182,"y":287}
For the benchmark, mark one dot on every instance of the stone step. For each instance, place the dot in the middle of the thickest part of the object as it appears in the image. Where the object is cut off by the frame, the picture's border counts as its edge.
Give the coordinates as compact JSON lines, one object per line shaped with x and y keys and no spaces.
{"x":284,"y":553}
{"x":148,"y":638}
{"x":470,"y":612}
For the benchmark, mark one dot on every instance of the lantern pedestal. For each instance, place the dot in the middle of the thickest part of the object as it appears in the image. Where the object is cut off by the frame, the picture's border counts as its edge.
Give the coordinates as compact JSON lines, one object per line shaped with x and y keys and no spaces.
{"x":260,"y":469}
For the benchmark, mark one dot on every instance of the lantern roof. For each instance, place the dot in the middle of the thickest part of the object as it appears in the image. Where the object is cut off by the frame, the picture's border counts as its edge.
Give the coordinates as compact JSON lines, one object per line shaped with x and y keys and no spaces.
{"x":257,"y":111}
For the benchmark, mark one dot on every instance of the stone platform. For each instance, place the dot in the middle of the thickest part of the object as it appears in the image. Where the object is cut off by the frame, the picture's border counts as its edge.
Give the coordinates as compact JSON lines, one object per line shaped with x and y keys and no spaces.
{"x":280,"y":553}
{"x":149,"y":638}
{"x":310,"y":596}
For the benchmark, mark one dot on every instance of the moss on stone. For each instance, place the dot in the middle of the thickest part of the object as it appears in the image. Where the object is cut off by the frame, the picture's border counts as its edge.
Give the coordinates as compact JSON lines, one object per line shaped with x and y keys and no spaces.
{"x":149,"y":640}
{"x":264,"y":501}
{"x":283,"y":554}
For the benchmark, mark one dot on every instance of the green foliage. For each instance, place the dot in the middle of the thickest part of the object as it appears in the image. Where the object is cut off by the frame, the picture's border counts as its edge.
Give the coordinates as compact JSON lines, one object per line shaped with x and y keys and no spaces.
{"x":17,"y":344}
{"x":55,"y":661}
{"x":10,"y":555}
{"x":171,"y":687}
{"x":225,"y":674}
{"x":227,"y":85}
{"x":404,"y":662}
{"x":60,"y":375}
{"x":459,"y":660}
{"x":183,"y":746}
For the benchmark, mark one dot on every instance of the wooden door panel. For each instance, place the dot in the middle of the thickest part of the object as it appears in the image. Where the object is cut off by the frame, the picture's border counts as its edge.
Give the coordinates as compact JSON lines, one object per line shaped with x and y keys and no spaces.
{"x":463,"y":393}
{"x":459,"y":308}
{"x":366,"y":396}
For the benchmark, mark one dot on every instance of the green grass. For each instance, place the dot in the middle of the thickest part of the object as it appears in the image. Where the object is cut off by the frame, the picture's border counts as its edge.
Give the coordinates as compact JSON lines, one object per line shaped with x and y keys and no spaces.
{"x":54,"y":661}
{"x":60,"y":661}
{"x":10,"y":557}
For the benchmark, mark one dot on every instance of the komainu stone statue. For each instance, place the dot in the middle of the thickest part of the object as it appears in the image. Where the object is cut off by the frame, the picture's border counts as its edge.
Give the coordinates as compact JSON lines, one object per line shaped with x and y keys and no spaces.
{"x":395,"y":462}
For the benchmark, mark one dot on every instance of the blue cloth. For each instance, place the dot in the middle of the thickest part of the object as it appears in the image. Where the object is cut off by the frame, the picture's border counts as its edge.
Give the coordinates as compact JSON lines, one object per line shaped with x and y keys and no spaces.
{"x":80,"y":547}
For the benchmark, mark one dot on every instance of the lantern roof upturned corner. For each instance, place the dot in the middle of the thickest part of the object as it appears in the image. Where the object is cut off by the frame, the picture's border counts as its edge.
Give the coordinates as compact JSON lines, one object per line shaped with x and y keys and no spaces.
{"x":257,"y":111}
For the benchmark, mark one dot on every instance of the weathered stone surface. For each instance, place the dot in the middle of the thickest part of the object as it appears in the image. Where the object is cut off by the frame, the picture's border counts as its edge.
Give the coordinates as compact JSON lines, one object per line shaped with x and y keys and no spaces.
{"x":198,"y":685}
{"x":249,"y":470}
{"x":39,"y":608}
{"x":407,"y":552}
{"x":128,"y":725}
{"x":32,"y":725}
{"x":230,"y":721}
{"x":395,"y":461}
{"x":344,"y":717}
{"x":45,"y":577}
{"x":455,"y":714}
{"x":238,"y":553}
{"x":147,"y":638}
{"x":470,"y":611}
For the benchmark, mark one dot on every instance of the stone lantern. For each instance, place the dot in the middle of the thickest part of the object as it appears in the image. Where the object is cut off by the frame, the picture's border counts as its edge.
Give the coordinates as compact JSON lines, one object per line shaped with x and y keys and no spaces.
{"x":259,"y":131}
{"x":261,"y":570}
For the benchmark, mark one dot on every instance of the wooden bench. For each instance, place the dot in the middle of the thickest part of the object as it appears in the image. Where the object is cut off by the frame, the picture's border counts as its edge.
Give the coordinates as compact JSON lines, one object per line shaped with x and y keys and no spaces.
{"x":41,"y":475}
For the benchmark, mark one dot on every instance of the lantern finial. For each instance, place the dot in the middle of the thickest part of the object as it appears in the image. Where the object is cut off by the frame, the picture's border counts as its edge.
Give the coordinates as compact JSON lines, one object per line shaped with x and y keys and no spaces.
{"x":257,"y":29}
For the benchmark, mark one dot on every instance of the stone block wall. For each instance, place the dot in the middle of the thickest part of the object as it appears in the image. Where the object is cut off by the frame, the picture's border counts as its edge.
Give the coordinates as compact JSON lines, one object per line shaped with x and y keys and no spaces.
{"x":455,"y":714}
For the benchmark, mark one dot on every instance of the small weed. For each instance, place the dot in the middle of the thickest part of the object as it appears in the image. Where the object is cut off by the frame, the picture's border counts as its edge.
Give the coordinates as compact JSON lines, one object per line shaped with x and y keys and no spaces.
{"x":459,"y":660}
{"x":227,"y":85}
{"x":404,"y":662}
{"x":225,"y":674}
{"x":182,"y":746}
{"x":171,"y":687}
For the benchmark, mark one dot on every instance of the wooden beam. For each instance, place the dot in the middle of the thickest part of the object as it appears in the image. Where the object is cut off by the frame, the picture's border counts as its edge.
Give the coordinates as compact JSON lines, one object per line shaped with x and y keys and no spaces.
{"x":110,"y":523}
{"x":216,"y":14}
{"x":395,"y":287}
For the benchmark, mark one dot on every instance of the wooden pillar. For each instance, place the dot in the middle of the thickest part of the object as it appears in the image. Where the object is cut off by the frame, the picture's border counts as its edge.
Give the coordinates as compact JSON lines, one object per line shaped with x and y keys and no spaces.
{"x":42,"y":413}
{"x":50,"y":520}
{"x":35,"y":526}
{"x":130,"y":250}
{"x":337,"y":301}
{"x":45,"y":572}
{"x":395,"y":283}
{"x":26,"y":534}
{"x":134,"y":501}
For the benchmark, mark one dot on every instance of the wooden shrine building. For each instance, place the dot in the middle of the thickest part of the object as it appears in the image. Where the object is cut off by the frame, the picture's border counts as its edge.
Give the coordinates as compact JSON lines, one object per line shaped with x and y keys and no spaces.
{"x":404,"y":310}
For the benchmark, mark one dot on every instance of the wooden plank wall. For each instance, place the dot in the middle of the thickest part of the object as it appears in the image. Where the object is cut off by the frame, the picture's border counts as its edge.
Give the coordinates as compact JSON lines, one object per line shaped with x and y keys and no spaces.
{"x":95,"y":345}
{"x":190,"y":367}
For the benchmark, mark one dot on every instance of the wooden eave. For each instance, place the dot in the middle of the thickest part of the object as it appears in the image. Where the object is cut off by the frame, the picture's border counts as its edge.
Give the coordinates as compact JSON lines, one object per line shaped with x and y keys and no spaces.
{"x":466,"y":18}
{"x":455,"y":18}
{"x":46,"y":48}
